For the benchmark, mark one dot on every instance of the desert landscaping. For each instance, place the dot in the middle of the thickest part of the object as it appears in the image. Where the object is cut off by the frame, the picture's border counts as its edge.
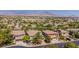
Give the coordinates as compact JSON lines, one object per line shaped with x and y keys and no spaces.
{"x":35,"y":31}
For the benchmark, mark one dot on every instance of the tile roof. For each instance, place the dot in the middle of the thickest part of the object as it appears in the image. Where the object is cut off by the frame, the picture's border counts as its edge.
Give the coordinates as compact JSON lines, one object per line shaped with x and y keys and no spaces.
{"x":32,"y":32}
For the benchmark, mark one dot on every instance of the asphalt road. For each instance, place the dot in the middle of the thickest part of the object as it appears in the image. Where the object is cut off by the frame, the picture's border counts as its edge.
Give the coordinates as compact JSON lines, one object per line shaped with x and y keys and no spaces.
{"x":17,"y":47}
{"x":60,"y":45}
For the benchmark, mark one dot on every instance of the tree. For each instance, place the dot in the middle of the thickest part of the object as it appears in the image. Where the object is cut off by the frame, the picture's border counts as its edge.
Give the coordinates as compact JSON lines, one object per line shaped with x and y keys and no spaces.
{"x":38,"y":38}
{"x":25,"y":28}
{"x":1,"y":39}
{"x":40,"y":27}
{"x":61,"y":27}
{"x":70,"y":45}
{"x":6,"y":37}
{"x":71,"y":32}
{"x":26,"y":38}
{"x":49,"y":27}
{"x":62,"y":38}
{"x":36,"y":41}
{"x":77,"y":35}
{"x":47,"y":39}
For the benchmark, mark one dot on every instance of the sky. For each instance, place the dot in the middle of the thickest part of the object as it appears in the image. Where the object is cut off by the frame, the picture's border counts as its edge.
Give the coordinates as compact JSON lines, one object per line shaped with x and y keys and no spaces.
{"x":50,"y":12}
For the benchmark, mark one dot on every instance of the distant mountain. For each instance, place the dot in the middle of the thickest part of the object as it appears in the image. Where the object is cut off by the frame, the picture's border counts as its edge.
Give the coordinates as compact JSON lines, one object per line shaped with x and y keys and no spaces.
{"x":59,"y":13}
{"x":32,"y":13}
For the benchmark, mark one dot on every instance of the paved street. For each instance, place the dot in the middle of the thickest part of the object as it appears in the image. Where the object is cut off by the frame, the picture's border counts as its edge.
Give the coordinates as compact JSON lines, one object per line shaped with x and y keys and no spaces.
{"x":60,"y":45}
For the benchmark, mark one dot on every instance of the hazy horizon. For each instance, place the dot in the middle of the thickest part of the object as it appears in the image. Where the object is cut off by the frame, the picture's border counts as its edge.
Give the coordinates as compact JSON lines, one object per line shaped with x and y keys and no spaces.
{"x":40,"y":12}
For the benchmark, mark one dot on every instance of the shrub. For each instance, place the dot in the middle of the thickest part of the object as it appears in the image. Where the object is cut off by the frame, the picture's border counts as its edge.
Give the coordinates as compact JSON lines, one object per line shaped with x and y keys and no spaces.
{"x":70,"y":45}
{"x":53,"y":46}
{"x":62,"y":38}
{"x":26,"y":38}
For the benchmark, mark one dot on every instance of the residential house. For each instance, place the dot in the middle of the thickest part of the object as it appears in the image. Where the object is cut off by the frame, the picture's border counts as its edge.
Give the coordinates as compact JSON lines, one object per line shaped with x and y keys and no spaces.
{"x":18,"y":34}
{"x":32,"y":33}
{"x":51,"y":34}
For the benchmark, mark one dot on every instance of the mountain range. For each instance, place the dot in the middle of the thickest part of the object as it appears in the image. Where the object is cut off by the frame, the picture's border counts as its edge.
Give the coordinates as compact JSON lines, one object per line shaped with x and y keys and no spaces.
{"x":41,"y":12}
